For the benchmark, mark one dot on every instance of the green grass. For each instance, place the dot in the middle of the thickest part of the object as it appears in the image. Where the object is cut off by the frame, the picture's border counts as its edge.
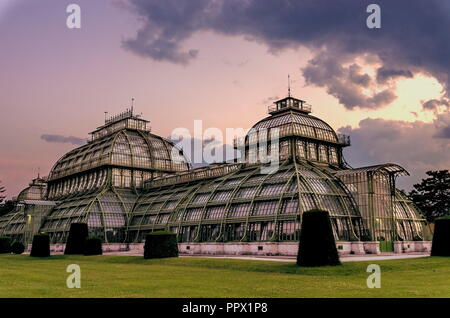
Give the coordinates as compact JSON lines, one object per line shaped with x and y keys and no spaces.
{"x":131,"y":276}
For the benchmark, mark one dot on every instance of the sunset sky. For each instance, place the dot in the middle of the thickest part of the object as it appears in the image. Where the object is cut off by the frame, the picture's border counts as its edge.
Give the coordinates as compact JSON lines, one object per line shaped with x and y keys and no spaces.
{"x":224,"y":62}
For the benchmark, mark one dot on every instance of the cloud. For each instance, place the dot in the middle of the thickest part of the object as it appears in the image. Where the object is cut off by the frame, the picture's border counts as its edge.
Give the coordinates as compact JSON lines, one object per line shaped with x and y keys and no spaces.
{"x":63,"y":139}
{"x":416,"y":146}
{"x":436,"y":104}
{"x":384,"y":74}
{"x":444,"y":132}
{"x":346,"y":83}
{"x":270,"y":100}
{"x":413,"y":37}
{"x":165,"y":25}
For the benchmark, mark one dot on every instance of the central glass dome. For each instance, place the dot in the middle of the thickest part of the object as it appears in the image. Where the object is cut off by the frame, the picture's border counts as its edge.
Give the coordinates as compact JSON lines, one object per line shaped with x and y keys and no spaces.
{"x":293,"y":132}
{"x":299,"y":124}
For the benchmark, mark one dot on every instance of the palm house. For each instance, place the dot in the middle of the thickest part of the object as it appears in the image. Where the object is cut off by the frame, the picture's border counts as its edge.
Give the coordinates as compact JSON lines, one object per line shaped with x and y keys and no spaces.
{"x":126,"y":182}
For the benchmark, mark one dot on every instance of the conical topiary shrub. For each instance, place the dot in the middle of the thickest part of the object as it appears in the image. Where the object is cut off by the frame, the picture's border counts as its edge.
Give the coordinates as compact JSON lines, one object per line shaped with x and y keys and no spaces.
{"x":5,"y":245}
{"x":441,"y":237}
{"x":161,"y":244}
{"x":40,"y":246}
{"x":77,"y":239}
{"x":17,"y":248}
{"x":317,"y":246}
{"x":93,"y":246}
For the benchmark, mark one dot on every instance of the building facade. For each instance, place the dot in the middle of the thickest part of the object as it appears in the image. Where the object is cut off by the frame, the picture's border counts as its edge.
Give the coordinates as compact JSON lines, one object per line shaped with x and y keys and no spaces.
{"x":127,"y":181}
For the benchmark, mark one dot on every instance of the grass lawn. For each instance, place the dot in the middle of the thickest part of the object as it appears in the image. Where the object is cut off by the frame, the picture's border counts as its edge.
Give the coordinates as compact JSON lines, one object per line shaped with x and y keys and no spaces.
{"x":132,"y":276}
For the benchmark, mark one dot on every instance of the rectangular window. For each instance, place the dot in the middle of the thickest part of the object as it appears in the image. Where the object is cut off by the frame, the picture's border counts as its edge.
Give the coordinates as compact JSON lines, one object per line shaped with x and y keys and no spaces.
{"x":288,"y":231}
{"x":284,"y":149}
{"x":290,"y":206}
{"x":312,"y":151}
{"x":265,"y":208}
{"x":323,"y":157}
{"x":201,"y":198}
{"x":222,"y":195}
{"x":239,"y":210}
{"x":246,"y":193}
{"x":301,"y":152}
{"x":272,"y":189}
{"x":193,"y":214}
{"x":216,"y":212}
{"x":333,"y":155}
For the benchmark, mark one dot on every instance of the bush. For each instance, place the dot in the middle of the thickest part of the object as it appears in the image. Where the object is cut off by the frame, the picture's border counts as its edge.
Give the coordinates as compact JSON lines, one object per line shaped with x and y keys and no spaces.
{"x":77,"y":239}
{"x":160,"y":244}
{"x":317,"y":246}
{"x":441,"y":237}
{"x":93,"y":246}
{"x":5,"y":245}
{"x":40,"y":246}
{"x":17,"y":248}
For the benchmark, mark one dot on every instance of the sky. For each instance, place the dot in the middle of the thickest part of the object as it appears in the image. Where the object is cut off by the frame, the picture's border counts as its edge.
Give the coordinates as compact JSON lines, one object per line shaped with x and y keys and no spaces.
{"x":223,"y":62}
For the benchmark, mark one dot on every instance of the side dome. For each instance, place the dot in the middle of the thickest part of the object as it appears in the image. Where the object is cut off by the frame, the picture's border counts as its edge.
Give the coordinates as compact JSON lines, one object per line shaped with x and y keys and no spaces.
{"x":37,"y":190}
{"x":125,"y":148}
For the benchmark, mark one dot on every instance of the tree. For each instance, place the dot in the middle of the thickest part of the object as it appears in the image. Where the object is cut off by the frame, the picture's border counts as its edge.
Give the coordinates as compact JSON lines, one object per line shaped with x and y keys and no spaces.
{"x":432,"y":195}
{"x":2,"y":190}
{"x":7,"y":207}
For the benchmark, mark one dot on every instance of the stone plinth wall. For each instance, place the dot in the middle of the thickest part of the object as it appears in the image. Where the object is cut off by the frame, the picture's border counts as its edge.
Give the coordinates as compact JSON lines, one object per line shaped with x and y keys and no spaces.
{"x":412,"y":246}
{"x":261,"y":248}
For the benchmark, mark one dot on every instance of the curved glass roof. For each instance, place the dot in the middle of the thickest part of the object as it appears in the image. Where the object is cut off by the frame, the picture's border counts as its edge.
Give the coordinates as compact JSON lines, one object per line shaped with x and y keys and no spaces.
{"x":128,"y":148}
{"x":299,"y":124}
{"x":233,"y":202}
{"x":390,"y":168}
{"x":106,"y":212}
{"x":246,"y":196}
{"x":408,"y":221}
{"x":12,"y":223}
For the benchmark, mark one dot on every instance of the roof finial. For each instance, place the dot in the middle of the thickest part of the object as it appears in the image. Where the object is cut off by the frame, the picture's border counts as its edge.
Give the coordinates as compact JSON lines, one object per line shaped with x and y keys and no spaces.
{"x":289,"y":85}
{"x":132,"y":104}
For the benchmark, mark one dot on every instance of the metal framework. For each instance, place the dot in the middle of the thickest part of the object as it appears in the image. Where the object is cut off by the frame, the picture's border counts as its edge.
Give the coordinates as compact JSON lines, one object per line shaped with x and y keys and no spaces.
{"x":106,"y":211}
{"x":127,"y":181}
{"x":388,"y":215}
{"x":245,"y":205}
{"x":300,"y":134}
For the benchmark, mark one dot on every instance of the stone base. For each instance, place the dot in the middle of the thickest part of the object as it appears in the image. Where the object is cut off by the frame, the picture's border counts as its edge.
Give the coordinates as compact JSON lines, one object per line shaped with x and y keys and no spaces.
{"x":372,"y":247}
{"x":261,"y":248}
{"x":108,"y":247}
{"x":412,"y":246}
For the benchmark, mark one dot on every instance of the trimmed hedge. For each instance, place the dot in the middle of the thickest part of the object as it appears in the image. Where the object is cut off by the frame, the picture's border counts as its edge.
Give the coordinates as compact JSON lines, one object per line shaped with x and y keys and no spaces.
{"x":93,"y":246}
{"x":77,"y":239}
{"x":160,"y":244}
{"x":441,"y":237}
{"x":40,"y":246}
{"x":17,"y":248}
{"x":5,"y":245}
{"x":317,"y":246}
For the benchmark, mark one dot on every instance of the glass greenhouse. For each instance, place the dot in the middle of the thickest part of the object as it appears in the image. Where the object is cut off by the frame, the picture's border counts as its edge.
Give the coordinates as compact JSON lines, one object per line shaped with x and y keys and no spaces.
{"x":127,"y":181}
{"x":245,"y":205}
